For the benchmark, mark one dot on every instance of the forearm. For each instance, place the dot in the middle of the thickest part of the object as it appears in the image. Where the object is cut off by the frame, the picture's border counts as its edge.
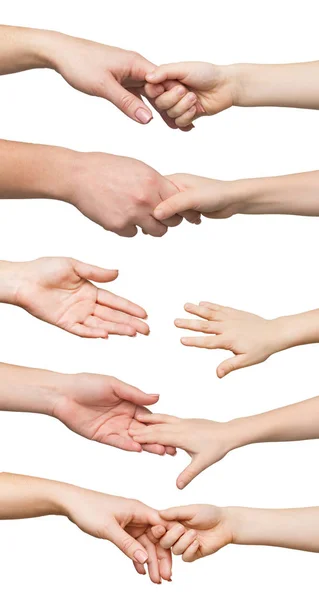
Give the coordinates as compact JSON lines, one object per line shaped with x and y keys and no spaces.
{"x":292,"y":85}
{"x":298,"y":421}
{"x":31,"y":390}
{"x":296,"y":528}
{"x":24,"y":497}
{"x":36,"y":171}
{"x":22,"y":49}
{"x":288,"y":194}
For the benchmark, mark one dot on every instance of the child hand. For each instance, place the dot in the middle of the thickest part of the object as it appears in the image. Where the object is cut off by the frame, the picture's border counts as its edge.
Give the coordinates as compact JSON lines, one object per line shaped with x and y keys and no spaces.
{"x":251,"y":338}
{"x":205,"y":441}
{"x":212,"y":198}
{"x":211,"y":89}
{"x":201,"y":530}
{"x":59,"y":291}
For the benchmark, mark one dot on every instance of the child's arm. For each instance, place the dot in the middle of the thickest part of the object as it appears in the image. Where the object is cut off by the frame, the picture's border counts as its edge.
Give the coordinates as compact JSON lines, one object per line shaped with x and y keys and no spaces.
{"x":205,"y":529}
{"x":97,"y":514}
{"x":251,"y":338}
{"x":296,"y":194}
{"x":59,"y":291}
{"x":220,"y":87}
{"x":207,"y":442}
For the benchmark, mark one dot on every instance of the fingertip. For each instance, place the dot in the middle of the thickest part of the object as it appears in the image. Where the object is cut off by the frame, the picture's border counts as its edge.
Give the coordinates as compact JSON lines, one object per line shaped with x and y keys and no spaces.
{"x":180,"y":484}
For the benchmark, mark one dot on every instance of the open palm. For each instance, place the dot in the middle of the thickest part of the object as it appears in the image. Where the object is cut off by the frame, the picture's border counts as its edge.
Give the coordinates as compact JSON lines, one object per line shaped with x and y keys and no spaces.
{"x":104,"y":409}
{"x":58,"y":290}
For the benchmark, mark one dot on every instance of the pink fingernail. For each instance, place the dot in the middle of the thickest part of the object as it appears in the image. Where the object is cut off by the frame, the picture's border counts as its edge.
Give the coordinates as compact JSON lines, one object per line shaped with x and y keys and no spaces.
{"x":150,"y":76}
{"x":143,"y":116}
{"x":140,"y":556}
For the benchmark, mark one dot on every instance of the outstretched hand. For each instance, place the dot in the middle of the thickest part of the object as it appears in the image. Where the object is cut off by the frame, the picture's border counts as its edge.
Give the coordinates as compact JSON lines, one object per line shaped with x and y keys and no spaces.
{"x":59,"y":291}
{"x":104,"y":409}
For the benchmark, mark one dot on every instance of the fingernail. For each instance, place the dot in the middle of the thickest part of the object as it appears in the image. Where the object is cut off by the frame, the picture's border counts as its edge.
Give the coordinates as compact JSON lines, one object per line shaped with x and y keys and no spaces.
{"x":181,"y":485}
{"x":191,"y":96}
{"x":140,"y":556}
{"x":181,"y":91}
{"x":177,"y":321}
{"x":150,"y":76}
{"x":159,"y":213}
{"x":143,"y":116}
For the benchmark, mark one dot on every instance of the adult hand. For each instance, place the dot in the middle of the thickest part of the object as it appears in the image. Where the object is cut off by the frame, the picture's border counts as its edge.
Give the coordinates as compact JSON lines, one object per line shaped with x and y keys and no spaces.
{"x":121,"y":194}
{"x":104,"y":409}
{"x":122,"y":521}
{"x":108,"y":72}
{"x":59,"y":291}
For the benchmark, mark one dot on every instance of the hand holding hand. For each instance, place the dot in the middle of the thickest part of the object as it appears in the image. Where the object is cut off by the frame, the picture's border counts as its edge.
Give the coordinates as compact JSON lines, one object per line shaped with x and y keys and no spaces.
{"x":205,"y":441}
{"x":59,"y":291}
{"x":123,"y":522}
{"x":251,"y":338}
{"x":104,"y":409}
{"x":211,"y":89}
{"x":201,"y":530}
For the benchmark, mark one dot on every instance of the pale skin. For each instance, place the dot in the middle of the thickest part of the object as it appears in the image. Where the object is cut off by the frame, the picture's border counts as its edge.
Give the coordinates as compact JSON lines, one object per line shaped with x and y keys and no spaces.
{"x":60,"y":291}
{"x":98,"y":407}
{"x":215,"y":199}
{"x":203,"y":529}
{"x":207,"y":441}
{"x":122,"y":521}
{"x":251,"y":338}
{"x":92,"y":182}
{"x":111,"y":73}
{"x":218,"y":87}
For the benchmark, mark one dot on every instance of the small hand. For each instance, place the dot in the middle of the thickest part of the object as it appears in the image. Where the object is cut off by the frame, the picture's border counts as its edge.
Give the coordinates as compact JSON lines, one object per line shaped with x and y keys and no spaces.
{"x":205,"y":441}
{"x":200,"y":530}
{"x":104,"y":409}
{"x":58,"y":290}
{"x":209,"y":197}
{"x":251,"y":338}
{"x":125,"y":523}
{"x":211,"y":90}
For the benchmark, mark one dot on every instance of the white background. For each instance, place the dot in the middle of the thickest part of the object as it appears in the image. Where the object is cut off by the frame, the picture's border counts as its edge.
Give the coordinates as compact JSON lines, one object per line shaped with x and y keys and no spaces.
{"x":268,"y":265}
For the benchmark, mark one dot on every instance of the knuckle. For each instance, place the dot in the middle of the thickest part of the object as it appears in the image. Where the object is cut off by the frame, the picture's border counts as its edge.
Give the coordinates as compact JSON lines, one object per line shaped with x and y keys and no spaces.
{"x":126,"y":544}
{"x":126,"y":102}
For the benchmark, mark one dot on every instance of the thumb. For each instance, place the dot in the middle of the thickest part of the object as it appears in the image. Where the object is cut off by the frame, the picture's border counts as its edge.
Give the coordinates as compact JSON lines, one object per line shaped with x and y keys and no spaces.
{"x":93,"y":273}
{"x":126,"y":543}
{"x":174,"y":205}
{"x":128,"y":103}
{"x":178,"y":513}
{"x":124,"y":391}
{"x":231,"y":364}
{"x":164,"y":72}
{"x":193,"y":469}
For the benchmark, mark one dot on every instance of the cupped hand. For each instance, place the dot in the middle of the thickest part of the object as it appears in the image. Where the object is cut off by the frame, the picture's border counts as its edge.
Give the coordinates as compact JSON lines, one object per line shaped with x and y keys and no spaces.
{"x":104,"y":409}
{"x":251,"y":338}
{"x":205,"y":441}
{"x":196,"y":531}
{"x":211,"y":90}
{"x":125,"y":523}
{"x":59,"y":291}
{"x":207,"y":197}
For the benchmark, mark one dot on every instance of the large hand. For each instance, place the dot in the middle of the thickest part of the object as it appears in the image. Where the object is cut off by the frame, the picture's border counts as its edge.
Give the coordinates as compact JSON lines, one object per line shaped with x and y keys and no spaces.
{"x":213,"y":87}
{"x":121,"y":193}
{"x":209,"y":197}
{"x":123,"y":522}
{"x":103,"y":409}
{"x":58,"y":290}
{"x":251,"y":338}
{"x":205,"y":441}
{"x":105,"y":71}
{"x":201,"y":530}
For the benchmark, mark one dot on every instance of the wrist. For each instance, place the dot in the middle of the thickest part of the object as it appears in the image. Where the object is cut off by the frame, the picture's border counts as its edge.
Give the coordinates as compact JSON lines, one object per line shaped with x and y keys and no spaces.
{"x":10,"y":281}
